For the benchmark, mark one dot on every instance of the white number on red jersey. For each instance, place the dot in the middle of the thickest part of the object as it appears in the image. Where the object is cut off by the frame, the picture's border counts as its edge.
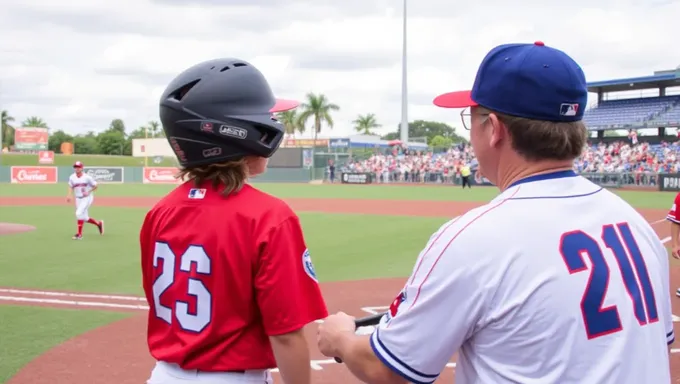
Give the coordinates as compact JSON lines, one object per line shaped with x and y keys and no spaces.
{"x":186,"y":319}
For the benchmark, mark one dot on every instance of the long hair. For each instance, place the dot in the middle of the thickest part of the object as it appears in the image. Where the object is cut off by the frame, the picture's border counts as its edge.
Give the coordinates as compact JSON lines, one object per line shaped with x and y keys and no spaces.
{"x":231,"y":174}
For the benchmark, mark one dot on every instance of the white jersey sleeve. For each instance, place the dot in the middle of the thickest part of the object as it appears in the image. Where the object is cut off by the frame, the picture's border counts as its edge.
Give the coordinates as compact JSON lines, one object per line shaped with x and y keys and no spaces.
{"x":71,"y":180}
{"x":666,"y":307}
{"x":90,"y":180}
{"x":439,"y":307}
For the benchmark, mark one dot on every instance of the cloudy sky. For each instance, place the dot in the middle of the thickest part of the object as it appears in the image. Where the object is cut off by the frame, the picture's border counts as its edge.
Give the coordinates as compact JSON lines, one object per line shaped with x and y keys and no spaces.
{"x":80,"y":63}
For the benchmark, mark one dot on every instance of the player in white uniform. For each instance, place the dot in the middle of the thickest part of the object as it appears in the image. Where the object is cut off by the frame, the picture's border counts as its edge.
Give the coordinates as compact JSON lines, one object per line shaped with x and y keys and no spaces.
{"x":556,"y":280}
{"x":83,"y":186}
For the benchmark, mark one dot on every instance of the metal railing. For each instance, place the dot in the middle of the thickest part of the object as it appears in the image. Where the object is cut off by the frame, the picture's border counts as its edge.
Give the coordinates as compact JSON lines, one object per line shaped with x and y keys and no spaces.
{"x":626,"y":179}
{"x":611,"y":180}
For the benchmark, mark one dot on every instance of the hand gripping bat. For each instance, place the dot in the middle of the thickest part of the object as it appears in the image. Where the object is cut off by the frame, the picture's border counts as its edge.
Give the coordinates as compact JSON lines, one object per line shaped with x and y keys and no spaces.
{"x":365,"y":322}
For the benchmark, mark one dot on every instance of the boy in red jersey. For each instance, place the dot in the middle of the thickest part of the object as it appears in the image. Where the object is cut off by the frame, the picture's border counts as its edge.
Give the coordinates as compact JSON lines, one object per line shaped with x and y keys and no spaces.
{"x":226,"y":272}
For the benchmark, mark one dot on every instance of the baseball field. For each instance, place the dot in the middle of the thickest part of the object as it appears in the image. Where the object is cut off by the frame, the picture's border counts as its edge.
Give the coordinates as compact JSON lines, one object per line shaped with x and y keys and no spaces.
{"x":72,"y":311}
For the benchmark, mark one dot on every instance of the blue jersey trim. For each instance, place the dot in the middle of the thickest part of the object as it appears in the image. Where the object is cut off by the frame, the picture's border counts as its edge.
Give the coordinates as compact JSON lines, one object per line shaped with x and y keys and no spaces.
{"x":406,"y":372}
{"x":557,"y":197}
{"x":545,"y":176}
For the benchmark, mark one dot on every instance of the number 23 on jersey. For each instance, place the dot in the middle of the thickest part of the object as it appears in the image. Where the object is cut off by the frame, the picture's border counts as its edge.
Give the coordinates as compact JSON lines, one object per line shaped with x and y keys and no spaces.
{"x":191,"y":321}
{"x":575,"y":246}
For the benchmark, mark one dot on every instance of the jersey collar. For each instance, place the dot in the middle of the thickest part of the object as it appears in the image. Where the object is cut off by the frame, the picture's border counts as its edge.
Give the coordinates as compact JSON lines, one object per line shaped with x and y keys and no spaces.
{"x":544,"y":176}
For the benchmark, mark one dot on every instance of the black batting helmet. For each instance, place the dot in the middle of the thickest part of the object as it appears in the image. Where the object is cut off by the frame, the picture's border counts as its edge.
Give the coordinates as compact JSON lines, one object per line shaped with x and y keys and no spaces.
{"x":221,"y":110}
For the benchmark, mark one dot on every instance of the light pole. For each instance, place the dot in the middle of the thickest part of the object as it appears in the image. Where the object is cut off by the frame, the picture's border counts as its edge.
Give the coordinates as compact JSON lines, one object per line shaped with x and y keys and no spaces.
{"x":404,"y":86}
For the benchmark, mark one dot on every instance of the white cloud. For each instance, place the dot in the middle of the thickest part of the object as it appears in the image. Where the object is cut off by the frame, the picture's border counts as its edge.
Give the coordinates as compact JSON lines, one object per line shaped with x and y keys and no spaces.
{"x":79,"y":64}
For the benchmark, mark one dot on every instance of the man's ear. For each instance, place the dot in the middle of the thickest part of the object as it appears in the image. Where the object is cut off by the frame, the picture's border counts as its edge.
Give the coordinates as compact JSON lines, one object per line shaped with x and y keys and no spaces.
{"x":499,"y":132}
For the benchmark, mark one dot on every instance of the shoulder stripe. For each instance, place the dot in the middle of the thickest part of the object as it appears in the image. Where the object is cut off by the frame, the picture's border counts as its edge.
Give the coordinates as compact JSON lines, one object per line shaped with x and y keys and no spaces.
{"x":420,"y":262}
{"x":420,"y":286}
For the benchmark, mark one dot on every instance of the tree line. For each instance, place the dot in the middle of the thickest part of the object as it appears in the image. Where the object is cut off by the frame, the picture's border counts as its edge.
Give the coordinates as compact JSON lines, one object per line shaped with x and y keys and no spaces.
{"x":114,"y":140}
{"x":315,"y":113}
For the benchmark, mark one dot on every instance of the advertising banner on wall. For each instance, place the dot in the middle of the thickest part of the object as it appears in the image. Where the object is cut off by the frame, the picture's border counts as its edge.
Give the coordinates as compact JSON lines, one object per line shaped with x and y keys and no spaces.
{"x":151,"y":148}
{"x":31,"y":139}
{"x":160,"y":175}
{"x":669,"y":182}
{"x":338,"y":143}
{"x":46,"y":157}
{"x":33,"y":175}
{"x":105,"y":174}
{"x":356,"y":178}
{"x":305,"y":143}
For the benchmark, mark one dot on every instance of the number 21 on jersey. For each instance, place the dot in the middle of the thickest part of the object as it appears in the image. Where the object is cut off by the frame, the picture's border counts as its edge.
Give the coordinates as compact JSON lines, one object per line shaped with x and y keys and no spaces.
{"x":600,"y":321}
{"x":188,"y":321}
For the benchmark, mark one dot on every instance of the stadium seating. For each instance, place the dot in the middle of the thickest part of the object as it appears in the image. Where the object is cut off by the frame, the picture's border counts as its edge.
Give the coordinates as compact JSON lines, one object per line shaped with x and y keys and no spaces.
{"x":616,"y":157}
{"x":672,"y":115}
{"x":626,"y":112}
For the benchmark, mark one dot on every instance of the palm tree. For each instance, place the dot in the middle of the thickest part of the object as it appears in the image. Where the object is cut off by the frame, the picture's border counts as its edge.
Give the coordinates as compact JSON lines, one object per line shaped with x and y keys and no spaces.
{"x":35,"y":122}
{"x":154,"y":127}
{"x":319,"y":108}
{"x":290,"y":121}
{"x":364,"y":124}
{"x":6,"y":129}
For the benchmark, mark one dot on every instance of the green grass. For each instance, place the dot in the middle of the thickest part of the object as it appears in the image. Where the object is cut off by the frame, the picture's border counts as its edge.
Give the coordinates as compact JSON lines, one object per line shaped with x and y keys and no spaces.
{"x":29,"y":331}
{"x":88,"y":160}
{"x":341,"y":246}
{"x":337,"y":191}
{"x":639,"y":199}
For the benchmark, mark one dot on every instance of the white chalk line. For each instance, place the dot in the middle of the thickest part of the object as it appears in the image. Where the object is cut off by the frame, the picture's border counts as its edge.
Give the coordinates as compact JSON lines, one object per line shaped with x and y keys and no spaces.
{"x":72,"y":302}
{"x":71,"y":294}
{"x":657,"y":222}
{"x":95,"y":304}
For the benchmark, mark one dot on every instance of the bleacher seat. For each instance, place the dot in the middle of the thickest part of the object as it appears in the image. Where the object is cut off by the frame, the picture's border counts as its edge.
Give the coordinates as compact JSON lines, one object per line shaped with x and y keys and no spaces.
{"x":627,"y":112}
{"x":672,"y":115}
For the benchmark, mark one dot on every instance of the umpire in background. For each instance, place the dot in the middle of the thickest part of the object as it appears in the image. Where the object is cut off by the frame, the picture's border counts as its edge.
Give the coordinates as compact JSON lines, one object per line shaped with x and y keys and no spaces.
{"x":465,"y":174}
{"x":331,"y":170}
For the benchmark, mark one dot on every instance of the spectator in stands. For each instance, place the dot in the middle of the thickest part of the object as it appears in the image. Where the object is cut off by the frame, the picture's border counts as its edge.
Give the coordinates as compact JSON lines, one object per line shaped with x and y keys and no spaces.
{"x":637,"y":164}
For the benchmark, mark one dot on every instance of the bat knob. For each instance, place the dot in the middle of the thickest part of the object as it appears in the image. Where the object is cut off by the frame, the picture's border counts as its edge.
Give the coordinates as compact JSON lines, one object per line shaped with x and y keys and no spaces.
{"x":338,"y":360}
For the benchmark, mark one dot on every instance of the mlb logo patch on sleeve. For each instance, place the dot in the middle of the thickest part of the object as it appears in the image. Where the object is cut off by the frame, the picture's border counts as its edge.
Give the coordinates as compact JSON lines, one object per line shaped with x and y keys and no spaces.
{"x":195,"y":193}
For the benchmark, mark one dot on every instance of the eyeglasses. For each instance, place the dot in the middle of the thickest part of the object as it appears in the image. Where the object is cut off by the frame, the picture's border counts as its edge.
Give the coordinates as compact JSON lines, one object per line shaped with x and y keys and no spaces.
{"x":466,"y":118}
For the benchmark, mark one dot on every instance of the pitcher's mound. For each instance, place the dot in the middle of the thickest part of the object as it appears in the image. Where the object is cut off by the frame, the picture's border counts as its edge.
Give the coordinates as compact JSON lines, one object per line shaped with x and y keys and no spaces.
{"x":9,"y":228}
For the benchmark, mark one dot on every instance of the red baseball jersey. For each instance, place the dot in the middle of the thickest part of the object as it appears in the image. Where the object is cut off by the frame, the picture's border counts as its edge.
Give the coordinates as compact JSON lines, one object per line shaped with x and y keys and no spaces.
{"x":674,"y":213}
{"x":221,"y":275}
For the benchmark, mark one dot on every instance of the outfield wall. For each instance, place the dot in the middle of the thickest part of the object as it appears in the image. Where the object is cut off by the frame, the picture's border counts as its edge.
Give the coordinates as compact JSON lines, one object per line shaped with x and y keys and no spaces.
{"x":165,"y":175}
{"x":146,"y":175}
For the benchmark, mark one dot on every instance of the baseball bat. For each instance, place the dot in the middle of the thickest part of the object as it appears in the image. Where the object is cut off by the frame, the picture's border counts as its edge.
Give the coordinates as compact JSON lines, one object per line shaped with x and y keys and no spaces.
{"x":364,"y":322}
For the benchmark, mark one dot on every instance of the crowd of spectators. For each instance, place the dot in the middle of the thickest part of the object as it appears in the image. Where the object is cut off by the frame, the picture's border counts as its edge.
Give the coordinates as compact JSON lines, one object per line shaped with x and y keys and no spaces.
{"x":640,"y":162}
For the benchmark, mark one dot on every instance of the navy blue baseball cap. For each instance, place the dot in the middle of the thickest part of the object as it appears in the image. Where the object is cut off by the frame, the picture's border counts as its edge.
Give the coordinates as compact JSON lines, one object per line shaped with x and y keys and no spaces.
{"x":526,"y":80}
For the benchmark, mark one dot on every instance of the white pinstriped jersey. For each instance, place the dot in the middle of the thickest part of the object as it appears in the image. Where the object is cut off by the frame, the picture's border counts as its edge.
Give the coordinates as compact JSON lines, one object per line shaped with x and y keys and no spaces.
{"x":81,"y":184}
{"x":555,"y":281}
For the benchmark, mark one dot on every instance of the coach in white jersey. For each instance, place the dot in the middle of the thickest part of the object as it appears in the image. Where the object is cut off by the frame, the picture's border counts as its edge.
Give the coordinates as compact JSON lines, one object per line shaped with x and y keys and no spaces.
{"x":556,"y":280}
{"x":83,"y":186}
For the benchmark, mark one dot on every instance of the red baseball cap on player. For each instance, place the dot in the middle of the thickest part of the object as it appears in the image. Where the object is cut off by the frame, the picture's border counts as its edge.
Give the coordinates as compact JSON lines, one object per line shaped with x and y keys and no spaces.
{"x":77,"y":164}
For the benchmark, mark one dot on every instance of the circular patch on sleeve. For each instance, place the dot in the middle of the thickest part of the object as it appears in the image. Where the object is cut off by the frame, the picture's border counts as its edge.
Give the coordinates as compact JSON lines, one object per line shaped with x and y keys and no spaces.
{"x":307,"y":264}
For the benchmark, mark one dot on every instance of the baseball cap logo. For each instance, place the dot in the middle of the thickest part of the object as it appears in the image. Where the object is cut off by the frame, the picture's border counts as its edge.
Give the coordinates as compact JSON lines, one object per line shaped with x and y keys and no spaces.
{"x":567,"y":109}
